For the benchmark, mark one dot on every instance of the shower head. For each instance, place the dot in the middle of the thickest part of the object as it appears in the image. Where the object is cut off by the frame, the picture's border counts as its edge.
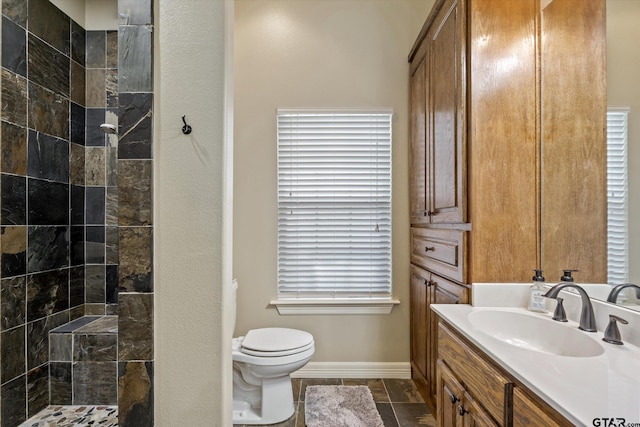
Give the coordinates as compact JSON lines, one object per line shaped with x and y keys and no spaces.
{"x":109,"y":129}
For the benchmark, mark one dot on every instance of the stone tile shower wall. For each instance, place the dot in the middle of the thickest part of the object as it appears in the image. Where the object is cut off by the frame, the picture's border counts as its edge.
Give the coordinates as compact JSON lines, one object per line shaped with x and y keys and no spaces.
{"x":42,"y":195}
{"x":135,"y":219}
{"x":59,"y":195}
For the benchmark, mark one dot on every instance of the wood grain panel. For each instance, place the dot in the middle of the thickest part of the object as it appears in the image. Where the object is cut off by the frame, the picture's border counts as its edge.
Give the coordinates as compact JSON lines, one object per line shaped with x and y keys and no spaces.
{"x":503,"y":141}
{"x":418,"y":146}
{"x":574,"y":203}
{"x":447,"y":129}
{"x":476,"y":416}
{"x":420,"y":282}
{"x":450,"y":395}
{"x":442,"y":291}
{"x":479,"y":378}
{"x":529,"y":412}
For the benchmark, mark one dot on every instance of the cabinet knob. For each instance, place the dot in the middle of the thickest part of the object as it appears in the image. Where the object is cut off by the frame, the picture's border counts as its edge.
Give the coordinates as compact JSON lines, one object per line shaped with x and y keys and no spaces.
{"x":429,"y":248}
{"x":461,"y":410}
{"x":453,"y":398}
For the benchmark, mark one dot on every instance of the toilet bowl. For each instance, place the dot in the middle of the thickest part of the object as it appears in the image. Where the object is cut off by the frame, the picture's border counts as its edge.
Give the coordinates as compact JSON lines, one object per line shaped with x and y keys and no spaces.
{"x":263,"y":361}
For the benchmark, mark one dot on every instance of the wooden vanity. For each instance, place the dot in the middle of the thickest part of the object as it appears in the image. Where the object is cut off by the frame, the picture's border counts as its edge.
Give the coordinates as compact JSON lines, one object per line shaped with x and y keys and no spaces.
{"x":474,"y":391}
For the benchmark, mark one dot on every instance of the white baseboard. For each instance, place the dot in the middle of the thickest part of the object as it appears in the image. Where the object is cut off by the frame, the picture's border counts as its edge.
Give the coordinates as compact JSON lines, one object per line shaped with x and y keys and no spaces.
{"x":401,"y":370}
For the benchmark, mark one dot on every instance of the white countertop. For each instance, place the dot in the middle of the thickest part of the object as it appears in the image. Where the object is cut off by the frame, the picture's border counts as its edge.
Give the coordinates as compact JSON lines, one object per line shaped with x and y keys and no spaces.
{"x":580,"y":388}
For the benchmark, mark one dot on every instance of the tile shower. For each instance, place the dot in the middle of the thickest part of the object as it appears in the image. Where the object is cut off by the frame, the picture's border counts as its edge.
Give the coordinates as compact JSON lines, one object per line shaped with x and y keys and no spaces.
{"x":76,"y":221}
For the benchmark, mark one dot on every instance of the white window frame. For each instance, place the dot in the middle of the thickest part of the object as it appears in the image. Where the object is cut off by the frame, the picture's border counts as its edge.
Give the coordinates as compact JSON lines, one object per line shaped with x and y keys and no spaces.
{"x":617,"y":195}
{"x":322,"y":293}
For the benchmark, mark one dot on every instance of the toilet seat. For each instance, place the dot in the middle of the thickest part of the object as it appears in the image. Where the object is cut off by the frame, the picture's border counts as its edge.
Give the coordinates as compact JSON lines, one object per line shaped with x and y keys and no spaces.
{"x":276,"y":353}
{"x":275,"y":342}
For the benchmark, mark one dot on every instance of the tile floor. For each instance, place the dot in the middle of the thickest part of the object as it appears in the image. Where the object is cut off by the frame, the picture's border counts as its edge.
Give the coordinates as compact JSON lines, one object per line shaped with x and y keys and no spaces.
{"x":74,"y":416}
{"x":398,"y":401}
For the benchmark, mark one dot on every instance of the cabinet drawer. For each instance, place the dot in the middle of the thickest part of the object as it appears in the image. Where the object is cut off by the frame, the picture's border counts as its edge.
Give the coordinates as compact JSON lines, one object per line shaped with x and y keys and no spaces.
{"x":479,"y":378}
{"x":440,"y":251}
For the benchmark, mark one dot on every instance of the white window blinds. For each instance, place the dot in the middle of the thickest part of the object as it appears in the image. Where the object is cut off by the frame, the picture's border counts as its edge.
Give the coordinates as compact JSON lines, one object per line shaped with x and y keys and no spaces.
{"x":617,"y":195}
{"x":334,"y":204}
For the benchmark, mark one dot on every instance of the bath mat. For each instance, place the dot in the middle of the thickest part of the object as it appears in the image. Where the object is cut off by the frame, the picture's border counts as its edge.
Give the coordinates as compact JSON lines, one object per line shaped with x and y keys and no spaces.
{"x":340,"y":406}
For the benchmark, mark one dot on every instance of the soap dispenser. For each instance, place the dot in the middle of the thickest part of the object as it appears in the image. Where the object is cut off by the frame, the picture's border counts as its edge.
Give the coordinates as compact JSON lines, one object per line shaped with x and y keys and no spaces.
{"x":537,"y":302}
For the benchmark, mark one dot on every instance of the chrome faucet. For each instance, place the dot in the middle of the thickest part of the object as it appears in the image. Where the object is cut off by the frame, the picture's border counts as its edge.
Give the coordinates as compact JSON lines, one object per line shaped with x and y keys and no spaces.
{"x":587,"y":319}
{"x":613,"y":295}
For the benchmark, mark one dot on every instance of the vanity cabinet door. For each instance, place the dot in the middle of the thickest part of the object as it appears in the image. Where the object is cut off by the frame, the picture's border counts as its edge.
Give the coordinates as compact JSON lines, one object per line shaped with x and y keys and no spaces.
{"x":475,"y":416}
{"x":450,"y":395}
{"x":420,"y":284}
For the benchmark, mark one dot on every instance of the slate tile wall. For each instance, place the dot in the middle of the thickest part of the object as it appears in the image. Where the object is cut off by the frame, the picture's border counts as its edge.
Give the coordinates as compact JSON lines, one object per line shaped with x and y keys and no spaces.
{"x":58,"y":194}
{"x":41,"y":109}
{"x":135,"y":216}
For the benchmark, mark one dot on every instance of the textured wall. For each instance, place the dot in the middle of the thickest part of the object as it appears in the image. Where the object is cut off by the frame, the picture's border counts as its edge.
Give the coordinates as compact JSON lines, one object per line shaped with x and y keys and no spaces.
{"x":193,"y":367}
{"x":294,"y":54}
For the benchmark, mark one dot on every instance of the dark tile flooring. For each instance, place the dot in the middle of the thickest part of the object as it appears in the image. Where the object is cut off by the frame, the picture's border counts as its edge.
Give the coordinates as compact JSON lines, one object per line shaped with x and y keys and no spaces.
{"x":398,"y":401}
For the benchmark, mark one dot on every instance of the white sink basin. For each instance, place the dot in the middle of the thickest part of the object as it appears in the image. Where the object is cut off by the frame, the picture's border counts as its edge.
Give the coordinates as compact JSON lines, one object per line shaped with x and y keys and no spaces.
{"x":535,"y":333}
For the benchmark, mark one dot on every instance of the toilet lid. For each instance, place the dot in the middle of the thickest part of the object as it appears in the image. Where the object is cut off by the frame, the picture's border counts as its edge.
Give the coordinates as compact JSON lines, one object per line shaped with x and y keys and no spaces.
{"x":276,"y":340}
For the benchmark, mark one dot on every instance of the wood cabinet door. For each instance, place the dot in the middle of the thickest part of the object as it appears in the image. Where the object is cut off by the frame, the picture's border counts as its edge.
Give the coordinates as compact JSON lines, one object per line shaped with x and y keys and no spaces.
{"x":475,"y":415}
{"x":446,"y":198}
{"x":418,"y":147}
{"x":442,"y":291}
{"x":450,"y":395}
{"x":420,"y":284}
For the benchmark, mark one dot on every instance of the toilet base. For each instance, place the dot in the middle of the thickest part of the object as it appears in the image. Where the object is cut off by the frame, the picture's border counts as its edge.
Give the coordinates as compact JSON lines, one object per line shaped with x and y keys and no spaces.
{"x":276,"y":403}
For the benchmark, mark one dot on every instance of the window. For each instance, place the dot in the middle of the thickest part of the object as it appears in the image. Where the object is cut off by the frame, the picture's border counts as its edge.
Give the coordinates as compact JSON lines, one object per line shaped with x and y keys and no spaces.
{"x":334,"y":207}
{"x":617,"y":196}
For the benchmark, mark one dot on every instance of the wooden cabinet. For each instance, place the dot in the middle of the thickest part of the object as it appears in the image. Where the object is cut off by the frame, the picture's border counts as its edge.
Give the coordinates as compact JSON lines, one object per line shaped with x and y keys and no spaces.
{"x":437,"y":122}
{"x":474,"y":391}
{"x":479,"y":129}
{"x":426,"y":289}
{"x":446,"y":140}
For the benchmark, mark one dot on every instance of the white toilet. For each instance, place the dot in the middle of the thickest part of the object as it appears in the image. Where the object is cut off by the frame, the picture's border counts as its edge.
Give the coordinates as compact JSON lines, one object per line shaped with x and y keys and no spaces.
{"x":263,"y":361}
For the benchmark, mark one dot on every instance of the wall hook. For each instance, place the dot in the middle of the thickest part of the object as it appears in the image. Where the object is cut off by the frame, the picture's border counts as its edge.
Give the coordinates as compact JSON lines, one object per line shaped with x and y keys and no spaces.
{"x":186,"y":129}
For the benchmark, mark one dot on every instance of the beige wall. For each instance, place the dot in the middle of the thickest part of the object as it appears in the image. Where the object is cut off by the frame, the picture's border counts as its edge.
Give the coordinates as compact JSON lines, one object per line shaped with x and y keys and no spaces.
{"x":192,"y":213}
{"x":623,"y":88}
{"x":318,"y":53}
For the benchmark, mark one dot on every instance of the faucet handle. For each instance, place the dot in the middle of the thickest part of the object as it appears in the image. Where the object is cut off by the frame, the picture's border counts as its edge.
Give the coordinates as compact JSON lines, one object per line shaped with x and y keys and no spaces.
{"x":559,"y":314}
{"x":612,"y":333}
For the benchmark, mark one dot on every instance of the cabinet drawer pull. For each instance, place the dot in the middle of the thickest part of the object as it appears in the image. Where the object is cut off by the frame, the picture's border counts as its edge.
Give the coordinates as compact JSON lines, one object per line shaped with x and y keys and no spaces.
{"x":429,"y":248}
{"x":461,"y":410}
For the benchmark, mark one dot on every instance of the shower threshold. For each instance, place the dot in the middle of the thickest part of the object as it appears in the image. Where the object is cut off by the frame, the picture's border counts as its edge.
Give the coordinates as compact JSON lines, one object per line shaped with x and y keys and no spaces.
{"x":74,"y":415}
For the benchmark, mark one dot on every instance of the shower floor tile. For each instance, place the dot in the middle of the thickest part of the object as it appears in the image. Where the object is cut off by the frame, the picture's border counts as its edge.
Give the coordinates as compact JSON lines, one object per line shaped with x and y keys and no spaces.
{"x":77,"y":415}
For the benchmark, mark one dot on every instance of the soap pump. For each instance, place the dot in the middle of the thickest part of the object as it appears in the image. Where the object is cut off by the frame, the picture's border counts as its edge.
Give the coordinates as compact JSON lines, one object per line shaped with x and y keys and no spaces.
{"x":537,"y":301}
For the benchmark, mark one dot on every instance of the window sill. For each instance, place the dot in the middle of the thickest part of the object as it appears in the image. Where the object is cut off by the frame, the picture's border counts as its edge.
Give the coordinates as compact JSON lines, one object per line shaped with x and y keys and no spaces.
{"x":334,"y":306}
